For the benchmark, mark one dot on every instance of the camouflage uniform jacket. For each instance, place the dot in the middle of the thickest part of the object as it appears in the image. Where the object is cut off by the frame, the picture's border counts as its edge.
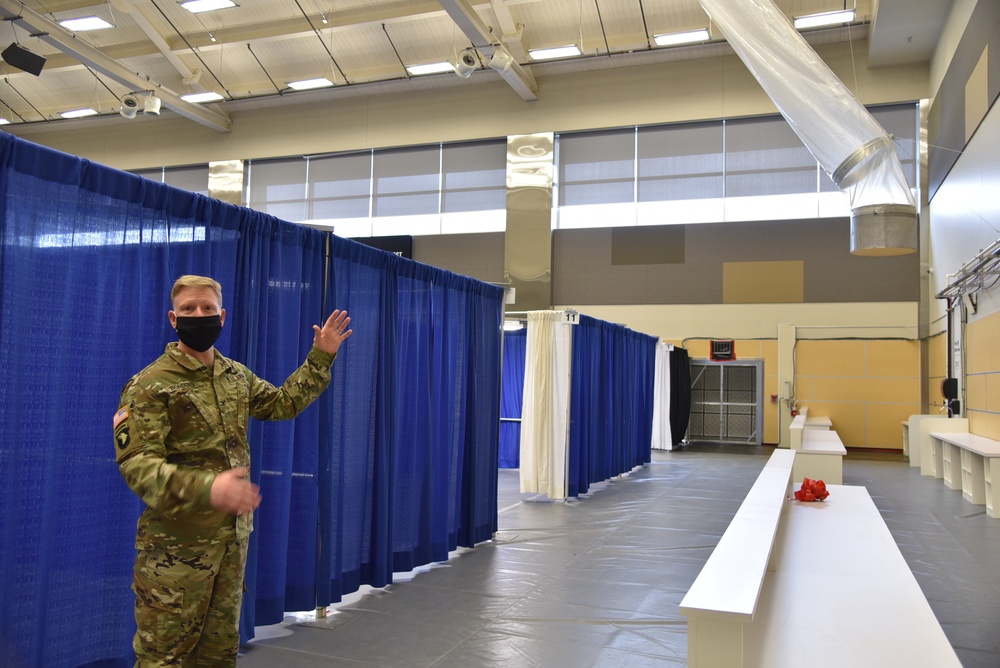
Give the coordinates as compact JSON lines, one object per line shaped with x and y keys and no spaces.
{"x":181,"y":423}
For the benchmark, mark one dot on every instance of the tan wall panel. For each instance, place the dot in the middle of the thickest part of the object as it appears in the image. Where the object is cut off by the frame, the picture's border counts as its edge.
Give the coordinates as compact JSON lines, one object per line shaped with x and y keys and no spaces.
{"x":882,"y":426}
{"x":975,"y":392}
{"x":769,"y":351}
{"x":993,"y":392}
{"x":867,"y":390}
{"x":848,"y":420}
{"x":976,"y":347}
{"x":699,"y":348}
{"x":985,"y":424}
{"x":934,"y":396}
{"x":803,"y":389}
{"x":982,"y":351}
{"x":830,"y":358}
{"x":895,"y":359}
{"x":747,"y":350}
{"x":937,"y":356}
{"x":763,"y":282}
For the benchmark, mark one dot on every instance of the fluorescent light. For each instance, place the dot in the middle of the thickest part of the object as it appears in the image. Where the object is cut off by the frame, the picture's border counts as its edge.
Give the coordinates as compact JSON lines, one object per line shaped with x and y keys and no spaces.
{"x":196,"y":98}
{"x":512,"y":325}
{"x":675,"y":38}
{"x":309,"y":84}
{"x":430,"y":68}
{"x":78,"y":113}
{"x":196,"y":6}
{"x":4,"y":121}
{"x":824,"y":19}
{"x":554,"y":52}
{"x":86,"y":23}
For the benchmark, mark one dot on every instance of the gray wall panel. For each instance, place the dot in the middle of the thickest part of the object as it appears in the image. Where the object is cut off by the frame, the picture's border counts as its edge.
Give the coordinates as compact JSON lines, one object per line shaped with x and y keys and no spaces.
{"x":583,"y":272}
{"x":476,"y":255}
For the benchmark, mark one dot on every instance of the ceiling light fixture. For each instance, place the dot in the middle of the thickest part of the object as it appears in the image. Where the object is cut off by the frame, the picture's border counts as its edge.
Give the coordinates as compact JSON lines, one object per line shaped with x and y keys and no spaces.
{"x":309,"y":84}
{"x":198,"y":98}
{"x":675,"y":38}
{"x":430,"y":68}
{"x":4,"y":121}
{"x":85,"y":23}
{"x":78,"y":113}
{"x":198,"y":6}
{"x":824,"y":19}
{"x":555,"y":52}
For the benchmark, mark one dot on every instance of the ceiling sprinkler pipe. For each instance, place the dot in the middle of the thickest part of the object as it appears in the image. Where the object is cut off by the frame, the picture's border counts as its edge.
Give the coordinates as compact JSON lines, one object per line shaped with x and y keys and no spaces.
{"x":840,"y":133}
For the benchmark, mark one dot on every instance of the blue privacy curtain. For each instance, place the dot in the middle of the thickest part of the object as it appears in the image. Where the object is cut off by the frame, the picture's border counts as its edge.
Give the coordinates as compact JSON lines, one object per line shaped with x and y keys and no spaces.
{"x":277,"y":295}
{"x":514,"y":343}
{"x":419,"y":417}
{"x":611,"y":402}
{"x":87,"y":258}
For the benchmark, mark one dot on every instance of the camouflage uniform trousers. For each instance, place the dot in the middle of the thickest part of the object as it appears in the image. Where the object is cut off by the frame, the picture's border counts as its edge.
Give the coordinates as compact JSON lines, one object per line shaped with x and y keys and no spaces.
{"x":187,"y":603}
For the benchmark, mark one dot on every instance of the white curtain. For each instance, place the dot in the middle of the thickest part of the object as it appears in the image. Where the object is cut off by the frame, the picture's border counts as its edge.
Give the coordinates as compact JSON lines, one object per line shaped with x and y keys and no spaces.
{"x":545,"y":412}
{"x":662,"y":437}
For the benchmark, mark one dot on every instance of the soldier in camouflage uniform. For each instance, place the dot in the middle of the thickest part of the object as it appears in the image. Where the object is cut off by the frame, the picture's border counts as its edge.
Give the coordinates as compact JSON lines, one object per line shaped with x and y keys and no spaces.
{"x":181,"y":442}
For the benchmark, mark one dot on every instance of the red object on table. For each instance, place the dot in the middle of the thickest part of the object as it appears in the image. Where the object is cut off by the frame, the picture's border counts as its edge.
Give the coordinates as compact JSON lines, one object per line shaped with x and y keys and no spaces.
{"x":812,"y":490}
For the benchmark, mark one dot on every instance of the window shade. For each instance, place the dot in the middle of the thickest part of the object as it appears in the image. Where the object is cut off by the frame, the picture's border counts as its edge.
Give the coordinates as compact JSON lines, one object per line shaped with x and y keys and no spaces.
{"x":596,"y":167}
{"x":406,"y":181}
{"x":681,"y":162}
{"x":278,"y":187}
{"x":764,"y":156}
{"x":340,"y":186}
{"x":474,"y":176}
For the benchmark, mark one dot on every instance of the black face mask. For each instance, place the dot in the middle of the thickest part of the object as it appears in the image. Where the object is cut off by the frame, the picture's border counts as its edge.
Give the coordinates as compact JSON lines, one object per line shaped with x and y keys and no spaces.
{"x":199,"y":333}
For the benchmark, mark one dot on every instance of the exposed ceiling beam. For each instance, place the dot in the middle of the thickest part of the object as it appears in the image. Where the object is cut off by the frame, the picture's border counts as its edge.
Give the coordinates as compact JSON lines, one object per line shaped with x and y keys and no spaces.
{"x":468,"y":21}
{"x":54,"y":34}
{"x":511,"y":30}
{"x":138,"y":14}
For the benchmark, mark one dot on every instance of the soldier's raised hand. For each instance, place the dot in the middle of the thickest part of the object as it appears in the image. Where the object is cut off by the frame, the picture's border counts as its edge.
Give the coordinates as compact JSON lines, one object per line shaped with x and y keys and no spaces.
{"x":333,"y":332}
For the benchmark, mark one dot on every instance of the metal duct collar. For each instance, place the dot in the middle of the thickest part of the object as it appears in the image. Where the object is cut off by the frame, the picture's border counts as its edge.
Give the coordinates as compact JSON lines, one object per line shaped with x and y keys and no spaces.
{"x":883,"y":230}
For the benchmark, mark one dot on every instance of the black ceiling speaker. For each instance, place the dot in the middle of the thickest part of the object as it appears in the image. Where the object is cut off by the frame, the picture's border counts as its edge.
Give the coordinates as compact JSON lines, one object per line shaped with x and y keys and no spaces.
{"x":22,"y":59}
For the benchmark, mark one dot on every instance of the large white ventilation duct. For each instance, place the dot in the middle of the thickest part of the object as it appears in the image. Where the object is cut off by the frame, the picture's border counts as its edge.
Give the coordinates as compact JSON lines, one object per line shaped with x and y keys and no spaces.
{"x":850,"y":145}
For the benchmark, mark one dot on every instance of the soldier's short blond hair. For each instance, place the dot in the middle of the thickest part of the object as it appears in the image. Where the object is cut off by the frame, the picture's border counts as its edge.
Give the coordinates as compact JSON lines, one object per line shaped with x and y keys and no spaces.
{"x":191,"y":281}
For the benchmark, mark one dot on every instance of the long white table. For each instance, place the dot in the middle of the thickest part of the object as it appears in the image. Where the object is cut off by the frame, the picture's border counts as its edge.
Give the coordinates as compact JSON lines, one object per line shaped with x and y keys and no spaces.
{"x":723,"y":598}
{"x":841,"y":594}
{"x":970,"y":463}
{"x":820,"y":456}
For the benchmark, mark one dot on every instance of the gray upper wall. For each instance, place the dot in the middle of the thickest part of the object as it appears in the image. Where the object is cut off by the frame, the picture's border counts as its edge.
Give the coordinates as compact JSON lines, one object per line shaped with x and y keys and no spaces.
{"x":587,"y":269}
{"x":683,"y":264}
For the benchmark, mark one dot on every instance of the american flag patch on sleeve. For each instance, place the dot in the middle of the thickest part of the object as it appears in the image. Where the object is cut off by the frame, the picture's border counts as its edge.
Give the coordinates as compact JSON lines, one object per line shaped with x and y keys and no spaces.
{"x":121,"y":416}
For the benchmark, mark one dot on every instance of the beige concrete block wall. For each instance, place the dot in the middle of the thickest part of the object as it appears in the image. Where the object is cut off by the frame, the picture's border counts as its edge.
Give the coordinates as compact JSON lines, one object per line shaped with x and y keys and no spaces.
{"x":937,"y":370}
{"x":866,"y":387}
{"x":982,"y":393}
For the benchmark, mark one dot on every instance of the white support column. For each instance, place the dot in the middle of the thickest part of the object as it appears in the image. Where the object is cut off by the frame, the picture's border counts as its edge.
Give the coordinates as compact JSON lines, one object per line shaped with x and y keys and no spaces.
{"x":786,"y":381}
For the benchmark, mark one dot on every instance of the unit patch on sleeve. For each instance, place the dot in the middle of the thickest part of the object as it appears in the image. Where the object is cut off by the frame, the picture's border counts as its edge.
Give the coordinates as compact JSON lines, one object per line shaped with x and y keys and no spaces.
{"x":122,"y":438}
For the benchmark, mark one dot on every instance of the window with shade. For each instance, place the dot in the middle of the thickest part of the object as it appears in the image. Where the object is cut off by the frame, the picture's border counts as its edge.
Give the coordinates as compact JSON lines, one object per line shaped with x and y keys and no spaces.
{"x":193,"y":178}
{"x":704,"y":172}
{"x":433,"y":189}
{"x":700,"y":172}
